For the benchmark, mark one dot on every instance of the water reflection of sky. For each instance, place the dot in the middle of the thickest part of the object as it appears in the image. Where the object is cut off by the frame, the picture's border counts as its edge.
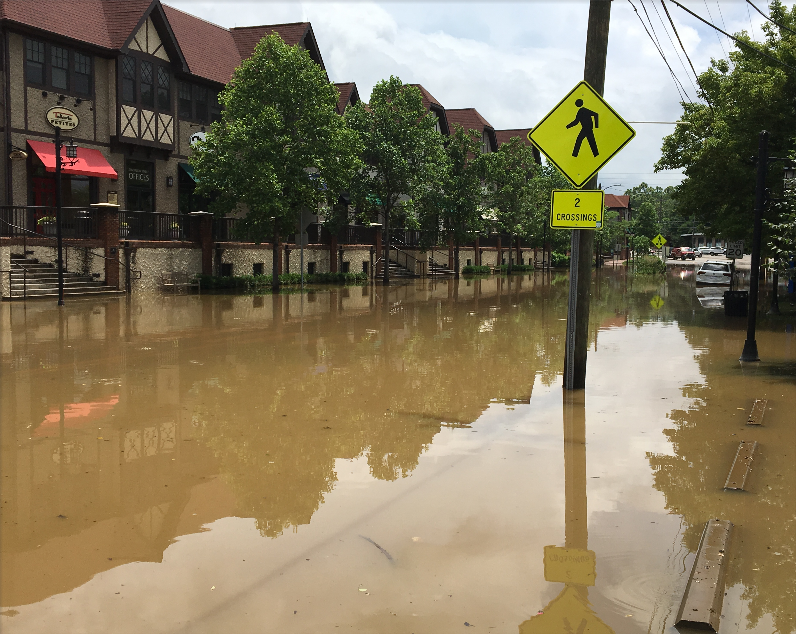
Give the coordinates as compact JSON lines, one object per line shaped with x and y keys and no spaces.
{"x":459,"y":480}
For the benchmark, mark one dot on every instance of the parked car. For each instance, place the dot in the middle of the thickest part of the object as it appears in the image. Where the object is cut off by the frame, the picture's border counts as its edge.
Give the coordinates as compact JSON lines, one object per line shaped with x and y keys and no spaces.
{"x":711,"y":250}
{"x":714,"y":272}
{"x":683,"y":253}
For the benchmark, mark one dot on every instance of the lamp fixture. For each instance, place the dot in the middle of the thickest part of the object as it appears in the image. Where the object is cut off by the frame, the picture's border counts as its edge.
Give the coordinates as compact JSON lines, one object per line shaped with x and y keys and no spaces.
{"x":71,"y":149}
{"x":169,"y":181}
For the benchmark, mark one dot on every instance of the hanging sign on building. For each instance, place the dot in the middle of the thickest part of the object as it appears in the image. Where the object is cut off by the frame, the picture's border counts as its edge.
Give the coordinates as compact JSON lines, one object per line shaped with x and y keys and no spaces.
{"x":577,"y":209}
{"x":63,"y":118}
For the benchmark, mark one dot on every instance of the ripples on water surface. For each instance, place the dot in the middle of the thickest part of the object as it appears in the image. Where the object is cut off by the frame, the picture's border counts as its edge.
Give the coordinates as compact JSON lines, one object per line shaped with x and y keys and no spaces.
{"x":386,"y":462}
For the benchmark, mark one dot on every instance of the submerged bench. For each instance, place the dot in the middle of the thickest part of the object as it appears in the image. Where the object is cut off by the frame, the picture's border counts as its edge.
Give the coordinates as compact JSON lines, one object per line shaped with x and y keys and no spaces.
{"x":175,"y":280}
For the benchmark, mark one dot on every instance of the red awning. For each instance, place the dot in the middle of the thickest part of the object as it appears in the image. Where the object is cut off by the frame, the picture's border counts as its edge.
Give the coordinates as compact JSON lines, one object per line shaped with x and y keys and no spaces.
{"x":88,"y":162}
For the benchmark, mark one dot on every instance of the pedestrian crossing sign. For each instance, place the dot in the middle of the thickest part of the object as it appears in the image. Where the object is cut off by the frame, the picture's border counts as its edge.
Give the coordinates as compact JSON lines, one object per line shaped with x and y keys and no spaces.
{"x":581,"y":134}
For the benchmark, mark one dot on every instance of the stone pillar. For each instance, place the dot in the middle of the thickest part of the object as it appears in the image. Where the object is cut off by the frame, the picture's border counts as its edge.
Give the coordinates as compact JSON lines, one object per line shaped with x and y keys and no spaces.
{"x":477,"y":255}
{"x":204,"y":233}
{"x":451,"y":263}
{"x":334,"y":256}
{"x":108,"y":233}
{"x":279,"y":259}
{"x":499,"y":252}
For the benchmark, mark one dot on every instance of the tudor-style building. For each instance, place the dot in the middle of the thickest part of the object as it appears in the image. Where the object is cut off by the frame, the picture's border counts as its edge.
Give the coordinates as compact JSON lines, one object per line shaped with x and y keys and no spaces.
{"x":142,"y":77}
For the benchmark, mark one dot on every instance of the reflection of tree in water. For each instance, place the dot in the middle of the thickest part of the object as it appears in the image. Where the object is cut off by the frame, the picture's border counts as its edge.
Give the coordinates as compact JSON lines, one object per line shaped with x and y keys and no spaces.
{"x":278,"y":433}
{"x":764,"y":557}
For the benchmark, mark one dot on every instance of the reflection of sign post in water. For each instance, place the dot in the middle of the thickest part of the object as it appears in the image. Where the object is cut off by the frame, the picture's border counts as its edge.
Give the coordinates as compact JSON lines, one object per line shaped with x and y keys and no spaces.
{"x":574,"y":565}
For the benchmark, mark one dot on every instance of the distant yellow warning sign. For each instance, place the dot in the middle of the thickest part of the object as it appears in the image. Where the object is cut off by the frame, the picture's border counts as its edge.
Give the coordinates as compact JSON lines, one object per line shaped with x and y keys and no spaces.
{"x":659,"y":241}
{"x":581,"y":134}
{"x":577,"y":209}
{"x":657,"y":302}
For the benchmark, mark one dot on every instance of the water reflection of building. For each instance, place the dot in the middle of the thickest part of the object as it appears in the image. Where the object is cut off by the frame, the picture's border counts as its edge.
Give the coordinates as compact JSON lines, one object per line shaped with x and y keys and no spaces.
{"x":117,"y":420}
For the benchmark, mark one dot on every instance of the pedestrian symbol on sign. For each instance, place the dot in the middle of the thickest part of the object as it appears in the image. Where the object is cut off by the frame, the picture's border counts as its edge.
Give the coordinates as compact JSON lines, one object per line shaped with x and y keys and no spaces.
{"x":584,"y":118}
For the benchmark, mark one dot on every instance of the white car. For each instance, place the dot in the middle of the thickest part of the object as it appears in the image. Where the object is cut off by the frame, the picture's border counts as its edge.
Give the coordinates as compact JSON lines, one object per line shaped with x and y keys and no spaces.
{"x":714,"y":272}
{"x":712,"y":250}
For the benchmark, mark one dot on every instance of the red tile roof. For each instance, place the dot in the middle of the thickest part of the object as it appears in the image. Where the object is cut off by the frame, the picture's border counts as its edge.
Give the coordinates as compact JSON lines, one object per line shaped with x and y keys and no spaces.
{"x":428,"y":98}
{"x":617,"y":202}
{"x":104,"y":23}
{"x":504,"y":136}
{"x":347,"y":90}
{"x":247,"y":37}
{"x":468,"y":118}
{"x":195,"y":36}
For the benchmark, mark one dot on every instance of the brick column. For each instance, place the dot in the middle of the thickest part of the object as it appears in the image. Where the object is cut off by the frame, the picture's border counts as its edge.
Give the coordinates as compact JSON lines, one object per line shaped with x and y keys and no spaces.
{"x":204,"y":233}
{"x":477,"y":255}
{"x":377,"y":267}
{"x":108,"y":233}
{"x":451,"y":263}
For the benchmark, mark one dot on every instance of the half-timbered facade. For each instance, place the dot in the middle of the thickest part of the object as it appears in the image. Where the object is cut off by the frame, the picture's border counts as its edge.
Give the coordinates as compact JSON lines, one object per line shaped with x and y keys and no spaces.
{"x":143,"y":79}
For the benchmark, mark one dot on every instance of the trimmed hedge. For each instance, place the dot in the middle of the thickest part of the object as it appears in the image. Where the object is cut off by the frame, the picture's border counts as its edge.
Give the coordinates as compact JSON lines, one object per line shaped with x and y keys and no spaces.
{"x":476,"y":270}
{"x":263,"y":282}
{"x":559,"y":260}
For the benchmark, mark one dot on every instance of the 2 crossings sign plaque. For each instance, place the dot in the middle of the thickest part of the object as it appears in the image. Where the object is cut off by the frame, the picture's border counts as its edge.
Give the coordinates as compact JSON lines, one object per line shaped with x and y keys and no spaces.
{"x":581,"y":134}
{"x":577,"y":209}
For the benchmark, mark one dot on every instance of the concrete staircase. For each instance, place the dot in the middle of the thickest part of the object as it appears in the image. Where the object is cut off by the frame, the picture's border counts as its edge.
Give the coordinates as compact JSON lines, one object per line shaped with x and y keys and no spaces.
{"x":439,"y":270}
{"x":31,"y":279}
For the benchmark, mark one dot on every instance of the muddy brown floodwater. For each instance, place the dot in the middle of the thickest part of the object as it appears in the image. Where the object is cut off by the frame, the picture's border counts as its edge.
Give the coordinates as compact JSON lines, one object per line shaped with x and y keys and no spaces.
{"x":400,"y":461}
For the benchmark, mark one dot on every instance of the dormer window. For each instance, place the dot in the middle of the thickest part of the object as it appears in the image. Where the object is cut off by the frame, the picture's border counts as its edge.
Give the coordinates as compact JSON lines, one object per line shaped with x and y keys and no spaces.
{"x":144,"y":83}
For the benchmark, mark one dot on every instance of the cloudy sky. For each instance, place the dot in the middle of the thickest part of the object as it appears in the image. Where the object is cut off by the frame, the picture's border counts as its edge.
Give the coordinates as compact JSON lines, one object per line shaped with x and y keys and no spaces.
{"x":513,"y":61}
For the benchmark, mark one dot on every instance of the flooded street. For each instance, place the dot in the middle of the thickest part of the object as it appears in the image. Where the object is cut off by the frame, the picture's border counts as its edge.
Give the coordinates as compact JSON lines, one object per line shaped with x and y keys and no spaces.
{"x":389,"y":460}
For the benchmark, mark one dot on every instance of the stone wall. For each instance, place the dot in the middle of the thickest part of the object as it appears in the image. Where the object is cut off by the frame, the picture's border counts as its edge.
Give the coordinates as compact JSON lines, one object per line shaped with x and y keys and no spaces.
{"x":5,"y":265}
{"x":152,"y":262}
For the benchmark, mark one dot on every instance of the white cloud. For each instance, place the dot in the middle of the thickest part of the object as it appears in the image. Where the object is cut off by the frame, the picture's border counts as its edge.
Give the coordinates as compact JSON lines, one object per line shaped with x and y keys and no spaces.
{"x":512,"y":61}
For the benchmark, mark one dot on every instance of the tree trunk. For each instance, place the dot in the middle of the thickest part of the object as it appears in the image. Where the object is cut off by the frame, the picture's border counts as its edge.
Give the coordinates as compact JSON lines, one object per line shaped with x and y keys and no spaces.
{"x":275,"y":264}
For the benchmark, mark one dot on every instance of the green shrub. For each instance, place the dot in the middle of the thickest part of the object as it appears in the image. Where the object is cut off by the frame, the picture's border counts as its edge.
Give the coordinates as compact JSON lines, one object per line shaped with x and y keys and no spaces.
{"x":261,"y":282}
{"x":475,"y":270}
{"x":559,"y":260}
{"x":517,"y":268}
{"x":649,"y":265}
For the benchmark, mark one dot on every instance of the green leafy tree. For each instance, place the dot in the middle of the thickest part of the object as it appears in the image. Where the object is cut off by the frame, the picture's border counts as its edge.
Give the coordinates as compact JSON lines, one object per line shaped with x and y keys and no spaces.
{"x":538,"y":231}
{"x":462,"y":190}
{"x":510,"y":188}
{"x":280,"y":145}
{"x":402,"y":154}
{"x":645,"y":222}
{"x":717,"y":139}
{"x":670,"y":222}
{"x":782,"y":232}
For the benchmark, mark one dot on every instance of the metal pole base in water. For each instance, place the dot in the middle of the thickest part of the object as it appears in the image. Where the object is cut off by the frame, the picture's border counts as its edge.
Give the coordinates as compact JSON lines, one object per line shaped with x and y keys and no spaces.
{"x":749,"y":351}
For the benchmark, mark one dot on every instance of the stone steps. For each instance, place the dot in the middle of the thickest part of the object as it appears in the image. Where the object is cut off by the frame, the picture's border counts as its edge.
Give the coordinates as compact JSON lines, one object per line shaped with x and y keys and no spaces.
{"x":31,"y":279}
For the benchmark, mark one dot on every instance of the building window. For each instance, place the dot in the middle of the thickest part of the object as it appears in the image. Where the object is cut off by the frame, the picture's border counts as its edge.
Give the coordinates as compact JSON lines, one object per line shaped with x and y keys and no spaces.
{"x":82,"y":74}
{"x":215,"y":108}
{"x":58,"y":68}
{"x":185,"y":100}
{"x":139,"y":179}
{"x":147,"y":92}
{"x":128,"y":79}
{"x":258,"y":268}
{"x":59,"y":58}
{"x":34,"y":64}
{"x":200,"y":102}
{"x":164,"y":89}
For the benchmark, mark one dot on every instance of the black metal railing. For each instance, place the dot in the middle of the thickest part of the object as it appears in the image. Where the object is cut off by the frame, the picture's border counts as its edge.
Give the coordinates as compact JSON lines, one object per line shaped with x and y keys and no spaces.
{"x":76,"y":222}
{"x":145,"y":225}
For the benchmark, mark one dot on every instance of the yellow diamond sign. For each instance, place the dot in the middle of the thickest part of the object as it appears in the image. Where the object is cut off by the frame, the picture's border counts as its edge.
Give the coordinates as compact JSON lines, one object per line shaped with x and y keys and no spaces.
{"x":581,"y":134}
{"x":659,"y":241}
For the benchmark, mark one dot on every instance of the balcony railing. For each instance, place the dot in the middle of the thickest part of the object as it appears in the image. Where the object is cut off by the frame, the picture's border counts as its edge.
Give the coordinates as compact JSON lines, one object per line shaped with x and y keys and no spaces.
{"x":144,"y":225}
{"x":31,"y":222}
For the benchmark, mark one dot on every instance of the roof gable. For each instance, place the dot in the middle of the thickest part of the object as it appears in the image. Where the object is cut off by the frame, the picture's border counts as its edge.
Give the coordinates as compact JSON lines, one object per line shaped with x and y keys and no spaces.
{"x":612,"y":201}
{"x":432,"y":104}
{"x":470,"y":119}
{"x":349,"y":95}
{"x":155,"y":36}
{"x":247,"y":37}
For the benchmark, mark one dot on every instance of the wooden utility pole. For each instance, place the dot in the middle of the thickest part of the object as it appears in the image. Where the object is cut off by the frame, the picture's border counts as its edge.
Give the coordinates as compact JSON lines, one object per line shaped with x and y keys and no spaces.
{"x":583,"y":239}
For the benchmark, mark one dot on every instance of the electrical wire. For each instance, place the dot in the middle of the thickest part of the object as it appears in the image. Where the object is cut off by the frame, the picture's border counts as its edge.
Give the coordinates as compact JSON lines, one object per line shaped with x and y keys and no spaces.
{"x":685,"y":52}
{"x":710,"y":15}
{"x":733,"y":38}
{"x":654,"y":6}
{"x":721,"y":15}
{"x":677,"y":85}
{"x":660,"y":50}
{"x":751,"y":26}
{"x":784,"y":28}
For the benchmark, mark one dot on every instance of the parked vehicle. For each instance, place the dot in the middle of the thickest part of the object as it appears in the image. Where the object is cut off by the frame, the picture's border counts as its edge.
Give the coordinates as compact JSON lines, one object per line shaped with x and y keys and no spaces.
{"x":683,"y":253}
{"x":714,"y":272}
{"x":711,"y":250}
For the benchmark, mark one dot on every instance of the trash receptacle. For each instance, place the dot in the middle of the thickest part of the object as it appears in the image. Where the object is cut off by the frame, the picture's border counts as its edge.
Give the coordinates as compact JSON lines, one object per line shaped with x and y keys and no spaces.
{"x":736,"y":303}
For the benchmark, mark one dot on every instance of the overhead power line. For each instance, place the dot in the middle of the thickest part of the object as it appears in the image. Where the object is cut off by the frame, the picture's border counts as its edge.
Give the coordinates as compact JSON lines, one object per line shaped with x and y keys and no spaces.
{"x":663,"y":55}
{"x":783,"y":27}
{"x":685,"y":52}
{"x":680,"y":59}
{"x":733,"y":38}
{"x":677,"y":84}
